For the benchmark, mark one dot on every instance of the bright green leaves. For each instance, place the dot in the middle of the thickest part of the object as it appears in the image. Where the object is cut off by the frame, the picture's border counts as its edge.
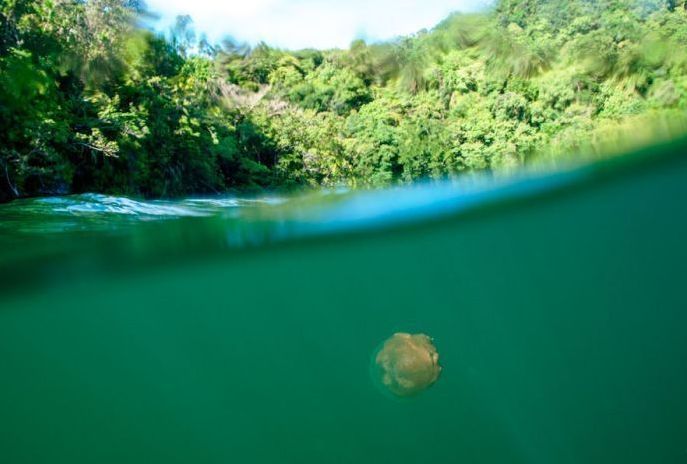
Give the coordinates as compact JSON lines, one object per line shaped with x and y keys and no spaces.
{"x":328,"y":88}
{"x":90,"y":102}
{"x":96,"y":141}
{"x":21,"y":80}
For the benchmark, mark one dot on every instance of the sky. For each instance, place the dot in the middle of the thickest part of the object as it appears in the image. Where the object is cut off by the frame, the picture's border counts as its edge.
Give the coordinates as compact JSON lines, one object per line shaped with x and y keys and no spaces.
{"x":297,"y":24}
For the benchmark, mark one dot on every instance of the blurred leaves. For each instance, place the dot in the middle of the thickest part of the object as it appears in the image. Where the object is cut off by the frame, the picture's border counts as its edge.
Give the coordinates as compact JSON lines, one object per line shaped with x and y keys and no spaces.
{"x":90,"y":101}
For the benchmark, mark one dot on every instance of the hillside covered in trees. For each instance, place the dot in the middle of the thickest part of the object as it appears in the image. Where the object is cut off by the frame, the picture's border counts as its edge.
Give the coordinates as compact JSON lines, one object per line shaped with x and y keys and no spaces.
{"x":92,"y":101}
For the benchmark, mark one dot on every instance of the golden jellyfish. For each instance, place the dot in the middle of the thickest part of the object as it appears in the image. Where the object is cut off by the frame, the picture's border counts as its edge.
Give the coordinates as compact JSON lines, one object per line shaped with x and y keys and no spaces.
{"x":407,"y":364}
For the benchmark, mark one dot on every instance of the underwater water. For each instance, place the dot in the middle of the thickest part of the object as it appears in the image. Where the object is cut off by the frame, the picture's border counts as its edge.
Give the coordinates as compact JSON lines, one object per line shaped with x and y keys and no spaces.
{"x":242,"y":330}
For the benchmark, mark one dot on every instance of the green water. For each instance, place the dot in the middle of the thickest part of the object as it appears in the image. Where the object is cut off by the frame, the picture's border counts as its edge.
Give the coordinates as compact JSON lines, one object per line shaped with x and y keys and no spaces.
{"x":221,"y":330}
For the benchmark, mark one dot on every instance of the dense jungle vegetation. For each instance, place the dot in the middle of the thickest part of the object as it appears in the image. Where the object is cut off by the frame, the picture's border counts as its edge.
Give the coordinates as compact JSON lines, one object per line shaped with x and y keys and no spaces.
{"x":90,"y":100}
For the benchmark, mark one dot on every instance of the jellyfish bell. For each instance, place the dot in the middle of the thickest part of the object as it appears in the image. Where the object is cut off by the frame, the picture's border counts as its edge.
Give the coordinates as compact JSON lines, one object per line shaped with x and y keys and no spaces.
{"x":406,"y":365}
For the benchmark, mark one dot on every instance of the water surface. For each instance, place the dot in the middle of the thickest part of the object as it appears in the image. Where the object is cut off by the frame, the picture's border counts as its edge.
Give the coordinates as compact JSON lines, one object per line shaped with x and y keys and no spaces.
{"x":221,"y":330}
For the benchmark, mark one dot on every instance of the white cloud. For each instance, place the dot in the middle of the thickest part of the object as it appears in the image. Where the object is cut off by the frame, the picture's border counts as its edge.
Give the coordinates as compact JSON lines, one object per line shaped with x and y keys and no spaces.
{"x":310,"y":23}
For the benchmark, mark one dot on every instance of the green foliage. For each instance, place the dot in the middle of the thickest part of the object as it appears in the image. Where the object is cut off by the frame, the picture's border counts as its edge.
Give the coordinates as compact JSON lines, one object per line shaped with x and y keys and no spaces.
{"x":91,"y":102}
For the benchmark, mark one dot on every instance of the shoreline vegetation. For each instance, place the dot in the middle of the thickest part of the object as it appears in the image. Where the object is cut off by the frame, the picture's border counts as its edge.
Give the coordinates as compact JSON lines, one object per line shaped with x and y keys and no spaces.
{"x":91,"y":101}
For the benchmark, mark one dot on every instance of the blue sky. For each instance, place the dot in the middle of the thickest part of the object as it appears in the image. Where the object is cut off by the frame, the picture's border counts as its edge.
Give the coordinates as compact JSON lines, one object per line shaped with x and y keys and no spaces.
{"x":299,"y":24}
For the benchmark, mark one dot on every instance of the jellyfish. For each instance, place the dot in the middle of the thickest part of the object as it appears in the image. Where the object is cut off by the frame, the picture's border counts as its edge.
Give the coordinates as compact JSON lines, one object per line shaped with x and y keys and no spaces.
{"x":407,"y":364}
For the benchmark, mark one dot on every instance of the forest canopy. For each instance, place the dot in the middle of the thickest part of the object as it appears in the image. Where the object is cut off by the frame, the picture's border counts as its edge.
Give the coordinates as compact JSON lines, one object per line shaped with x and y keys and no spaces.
{"x":92,"y":101}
